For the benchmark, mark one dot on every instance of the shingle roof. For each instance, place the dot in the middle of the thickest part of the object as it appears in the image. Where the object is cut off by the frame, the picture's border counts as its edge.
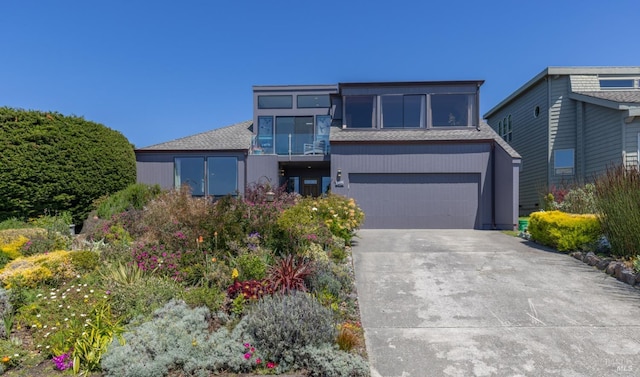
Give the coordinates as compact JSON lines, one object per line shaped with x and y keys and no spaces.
{"x":482,"y":133}
{"x":234,"y":137}
{"x":622,"y":96}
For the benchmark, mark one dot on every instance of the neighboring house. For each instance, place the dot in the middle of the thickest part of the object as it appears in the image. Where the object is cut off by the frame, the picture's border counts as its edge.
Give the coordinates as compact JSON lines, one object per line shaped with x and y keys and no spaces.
{"x":412,"y":154}
{"x":569,"y":124}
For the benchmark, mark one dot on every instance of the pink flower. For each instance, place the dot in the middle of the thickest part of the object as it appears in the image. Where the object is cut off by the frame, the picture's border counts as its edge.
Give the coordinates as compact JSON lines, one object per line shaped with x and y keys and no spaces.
{"x":247,"y":345}
{"x":258,"y":360}
{"x":270,"y":365}
{"x":247,"y":355}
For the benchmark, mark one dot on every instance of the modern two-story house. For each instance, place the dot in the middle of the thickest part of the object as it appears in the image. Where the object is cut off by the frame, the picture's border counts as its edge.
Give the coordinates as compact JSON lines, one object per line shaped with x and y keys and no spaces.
{"x":412,"y":154}
{"x":569,"y":124}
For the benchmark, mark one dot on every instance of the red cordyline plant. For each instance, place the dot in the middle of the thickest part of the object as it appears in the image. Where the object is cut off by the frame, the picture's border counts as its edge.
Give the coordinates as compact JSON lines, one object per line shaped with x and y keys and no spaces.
{"x":288,"y":274}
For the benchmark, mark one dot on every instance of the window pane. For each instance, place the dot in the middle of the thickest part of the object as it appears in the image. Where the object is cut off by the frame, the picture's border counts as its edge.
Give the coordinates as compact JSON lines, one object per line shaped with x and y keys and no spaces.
{"x":312,"y":101}
{"x":265,"y":134}
{"x":190,"y":171}
{"x":616,"y":83}
{"x":413,"y":111}
{"x":449,"y":110}
{"x":563,"y":161}
{"x":392,"y":111}
{"x":275,"y":102}
{"x":359,"y":111}
{"x":223,"y":175}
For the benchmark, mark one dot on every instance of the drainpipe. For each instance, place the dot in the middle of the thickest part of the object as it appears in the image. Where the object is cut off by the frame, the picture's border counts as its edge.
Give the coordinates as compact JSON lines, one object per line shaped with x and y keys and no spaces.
{"x":493,"y":185}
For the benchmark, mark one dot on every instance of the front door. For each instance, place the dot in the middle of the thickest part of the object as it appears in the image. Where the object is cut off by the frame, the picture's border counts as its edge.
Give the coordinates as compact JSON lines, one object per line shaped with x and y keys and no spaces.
{"x":310,"y":188}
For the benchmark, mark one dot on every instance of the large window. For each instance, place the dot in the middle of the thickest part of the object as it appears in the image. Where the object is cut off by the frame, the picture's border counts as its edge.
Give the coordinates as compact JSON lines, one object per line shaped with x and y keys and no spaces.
{"x":313,"y":101}
{"x":220,"y":177}
{"x":359,"y":111}
{"x":190,"y":171}
{"x":292,"y":133}
{"x":400,"y":111}
{"x":275,"y":102}
{"x":222,"y":174}
{"x":265,"y":134}
{"x":563,"y":161}
{"x":450,"y":110}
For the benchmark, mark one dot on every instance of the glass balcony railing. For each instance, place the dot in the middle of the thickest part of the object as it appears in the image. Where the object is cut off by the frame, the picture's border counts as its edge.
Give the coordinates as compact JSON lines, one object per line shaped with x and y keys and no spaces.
{"x":290,"y":145}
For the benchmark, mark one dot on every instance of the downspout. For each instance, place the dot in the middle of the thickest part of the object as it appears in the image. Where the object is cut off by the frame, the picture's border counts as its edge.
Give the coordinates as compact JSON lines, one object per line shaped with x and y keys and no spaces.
{"x":493,"y":185}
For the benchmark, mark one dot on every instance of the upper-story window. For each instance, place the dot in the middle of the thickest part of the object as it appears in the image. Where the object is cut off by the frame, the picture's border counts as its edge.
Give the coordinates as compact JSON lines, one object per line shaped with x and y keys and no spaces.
{"x":359,"y":111}
{"x":402,"y":111}
{"x":409,"y":110}
{"x":275,"y":102}
{"x":450,"y":110}
{"x":313,"y":101}
{"x":618,"y":84}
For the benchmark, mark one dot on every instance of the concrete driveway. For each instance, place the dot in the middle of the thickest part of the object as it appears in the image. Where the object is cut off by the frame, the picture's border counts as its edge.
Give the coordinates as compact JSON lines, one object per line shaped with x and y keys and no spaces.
{"x":481,"y":303}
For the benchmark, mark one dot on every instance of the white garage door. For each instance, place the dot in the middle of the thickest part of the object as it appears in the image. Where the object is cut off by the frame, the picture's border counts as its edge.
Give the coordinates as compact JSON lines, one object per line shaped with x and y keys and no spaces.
{"x":417,"y":201}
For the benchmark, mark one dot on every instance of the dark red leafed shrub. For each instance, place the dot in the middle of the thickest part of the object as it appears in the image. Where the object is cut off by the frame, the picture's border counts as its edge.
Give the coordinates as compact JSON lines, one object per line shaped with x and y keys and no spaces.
{"x":288,"y":274}
{"x":250,"y":289}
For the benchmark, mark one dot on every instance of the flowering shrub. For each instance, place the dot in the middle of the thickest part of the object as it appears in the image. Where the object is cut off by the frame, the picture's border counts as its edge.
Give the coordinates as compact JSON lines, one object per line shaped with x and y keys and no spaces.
{"x":38,"y":269}
{"x":249,"y":289}
{"x":13,"y":248}
{"x":157,"y":258}
{"x":63,"y":362}
{"x":341,"y":214}
{"x":58,"y":316}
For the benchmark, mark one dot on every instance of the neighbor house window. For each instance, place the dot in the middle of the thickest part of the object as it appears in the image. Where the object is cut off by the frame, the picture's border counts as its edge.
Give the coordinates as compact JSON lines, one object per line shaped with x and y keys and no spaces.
{"x":359,"y":111}
{"x":222,"y":176}
{"x":313,"y":101}
{"x":402,"y":111}
{"x":275,"y":102}
{"x":616,"y":84}
{"x":563,"y":161}
{"x":450,"y":110}
{"x":190,"y":171}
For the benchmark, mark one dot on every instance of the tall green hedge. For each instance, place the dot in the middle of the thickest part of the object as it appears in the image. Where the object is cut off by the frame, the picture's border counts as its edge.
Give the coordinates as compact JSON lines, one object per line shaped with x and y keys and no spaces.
{"x":50,"y":162}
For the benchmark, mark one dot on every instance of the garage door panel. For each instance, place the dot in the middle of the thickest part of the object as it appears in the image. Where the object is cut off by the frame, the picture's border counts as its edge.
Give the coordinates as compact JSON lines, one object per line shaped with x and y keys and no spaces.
{"x":440,"y":201}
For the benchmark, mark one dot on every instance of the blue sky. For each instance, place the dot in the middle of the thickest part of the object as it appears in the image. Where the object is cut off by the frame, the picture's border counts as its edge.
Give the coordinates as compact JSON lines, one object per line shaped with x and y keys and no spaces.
{"x":160,"y":70}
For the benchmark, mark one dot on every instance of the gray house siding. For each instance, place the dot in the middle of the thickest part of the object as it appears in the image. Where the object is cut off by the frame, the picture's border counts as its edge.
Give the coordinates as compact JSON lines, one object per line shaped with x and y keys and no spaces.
{"x":530,"y":139}
{"x":506,"y":189}
{"x":631,"y":139}
{"x":435,"y":169}
{"x":561,"y":112}
{"x":262,"y":169}
{"x":155,"y":169}
{"x":603,"y":139}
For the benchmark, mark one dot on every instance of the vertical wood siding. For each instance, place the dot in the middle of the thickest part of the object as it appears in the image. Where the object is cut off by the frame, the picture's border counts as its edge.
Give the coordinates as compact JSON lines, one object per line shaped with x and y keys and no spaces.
{"x":416,"y":158}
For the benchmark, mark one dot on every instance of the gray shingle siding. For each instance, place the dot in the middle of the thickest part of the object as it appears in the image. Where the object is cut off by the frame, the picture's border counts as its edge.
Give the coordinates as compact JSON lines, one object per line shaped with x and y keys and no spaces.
{"x":603,"y":139}
{"x":631,"y":130}
{"x":530,"y":139}
{"x":563,"y":112}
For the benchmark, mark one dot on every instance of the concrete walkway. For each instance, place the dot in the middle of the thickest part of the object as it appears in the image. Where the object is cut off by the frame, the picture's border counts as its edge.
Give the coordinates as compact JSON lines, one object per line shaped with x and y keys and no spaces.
{"x":481,"y":303}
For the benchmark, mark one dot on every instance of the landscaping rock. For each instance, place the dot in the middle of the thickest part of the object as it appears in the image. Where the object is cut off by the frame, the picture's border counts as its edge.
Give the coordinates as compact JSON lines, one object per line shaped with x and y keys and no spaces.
{"x":611,"y":268}
{"x":591,"y":259}
{"x":627,"y":276}
{"x":617,"y":272}
{"x":577,"y":254}
{"x":604,"y":263}
{"x":638,"y":279}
